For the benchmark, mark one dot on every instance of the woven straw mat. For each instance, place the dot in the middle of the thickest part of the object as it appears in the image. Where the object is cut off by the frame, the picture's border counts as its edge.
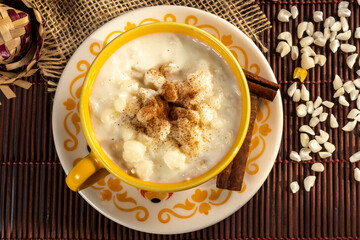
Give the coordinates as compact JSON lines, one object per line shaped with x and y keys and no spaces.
{"x":69,"y":23}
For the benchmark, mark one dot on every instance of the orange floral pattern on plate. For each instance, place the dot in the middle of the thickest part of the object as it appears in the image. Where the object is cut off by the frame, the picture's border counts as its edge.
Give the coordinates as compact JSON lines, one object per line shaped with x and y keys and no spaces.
{"x":72,"y":119}
{"x":202,"y":201}
{"x":258,"y":143}
{"x":112,"y":189}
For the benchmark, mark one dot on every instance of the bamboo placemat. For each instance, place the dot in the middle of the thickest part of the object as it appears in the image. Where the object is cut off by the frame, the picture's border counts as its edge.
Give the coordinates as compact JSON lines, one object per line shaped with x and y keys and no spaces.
{"x":35,"y":203}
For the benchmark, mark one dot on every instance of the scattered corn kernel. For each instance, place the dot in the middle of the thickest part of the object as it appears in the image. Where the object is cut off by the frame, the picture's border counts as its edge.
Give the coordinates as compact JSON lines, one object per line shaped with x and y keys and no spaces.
{"x":300,"y":73}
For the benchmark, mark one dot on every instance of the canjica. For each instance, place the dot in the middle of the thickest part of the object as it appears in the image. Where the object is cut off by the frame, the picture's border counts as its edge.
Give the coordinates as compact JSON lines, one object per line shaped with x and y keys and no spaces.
{"x":165,"y":107}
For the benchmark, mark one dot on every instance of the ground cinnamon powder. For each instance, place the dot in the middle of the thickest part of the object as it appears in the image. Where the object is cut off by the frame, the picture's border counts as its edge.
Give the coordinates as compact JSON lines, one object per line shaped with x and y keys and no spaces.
{"x":171,"y":113}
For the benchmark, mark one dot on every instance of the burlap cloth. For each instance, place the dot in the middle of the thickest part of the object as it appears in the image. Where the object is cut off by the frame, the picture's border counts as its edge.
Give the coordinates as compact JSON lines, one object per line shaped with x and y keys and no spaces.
{"x":68,"y":23}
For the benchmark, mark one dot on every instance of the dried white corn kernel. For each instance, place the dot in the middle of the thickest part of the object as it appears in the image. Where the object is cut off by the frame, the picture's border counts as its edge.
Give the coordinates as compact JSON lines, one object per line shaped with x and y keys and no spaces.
{"x":144,"y":169}
{"x":310,"y":107}
{"x":309,"y":182}
{"x":344,"y":12}
{"x":339,"y":92}
{"x":345,"y":47}
{"x":291,"y":90}
{"x":324,"y":154}
{"x":317,"y":111}
{"x":318,"y":167}
{"x":295,"y":156}
{"x":349,"y":86}
{"x":344,"y":36}
{"x":357,"y":83}
{"x":332,"y":36}
{"x":320,"y":60}
{"x":344,"y":24}
{"x":307,"y":62}
{"x":314,"y":121}
{"x":304,"y":93}
{"x":354,"y":95}
{"x":333,"y":122}
{"x":308,"y":51}
{"x":353,"y":113}
{"x":327,"y":33}
{"x":286,"y":36}
{"x":301,"y":110}
{"x":296,"y":96}
{"x":174,"y":159}
{"x":284,"y":15}
{"x":334,"y":45}
{"x":310,"y":29}
{"x":349,"y":126}
{"x":336,"y":27}
{"x":342,"y":101}
{"x":329,"y":147}
{"x":301,"y":28}
{"x":294,"y":12}
{"x":294,"y":186}
{"x":350,"y":60}
{"x":304,"y":140}
{"x":134,"y":151}
{"x":317,"y":102}
{"x":318,"y":34}
{"x":320,"y":42}
{"x":314,"y":146}
{"x":305,"y":154}
{"x":357,"y":32}
{"x":358,"y":102}
{"x":306,"y":41}
{"x":323,"y":117}
{"x":307,"y":129}
{"x":343,"y":4}
{"x":357,"y":118}
{"x":294,"y":53}
{"x":356,"y":170}
{"x":355,"y":157}
{"x":328,"y":104}
{"x":283,"y":48}
{"x":322,"y":138}
{"x":318,"y":16}
{"x":337,"y":83}
{"x":329,"y":22}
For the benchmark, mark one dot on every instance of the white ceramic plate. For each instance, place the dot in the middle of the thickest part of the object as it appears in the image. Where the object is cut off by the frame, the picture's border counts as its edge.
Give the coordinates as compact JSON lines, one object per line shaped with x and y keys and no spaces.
{"x":166,"y":213}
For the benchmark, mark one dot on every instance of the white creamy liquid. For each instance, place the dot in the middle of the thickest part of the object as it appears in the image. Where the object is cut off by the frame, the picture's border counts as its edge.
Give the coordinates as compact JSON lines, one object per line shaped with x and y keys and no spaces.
{"x":121,"y":77}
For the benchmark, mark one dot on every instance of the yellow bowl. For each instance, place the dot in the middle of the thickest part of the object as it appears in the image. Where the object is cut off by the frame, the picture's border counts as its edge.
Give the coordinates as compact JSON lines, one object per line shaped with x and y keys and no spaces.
{"x":103,"y":161}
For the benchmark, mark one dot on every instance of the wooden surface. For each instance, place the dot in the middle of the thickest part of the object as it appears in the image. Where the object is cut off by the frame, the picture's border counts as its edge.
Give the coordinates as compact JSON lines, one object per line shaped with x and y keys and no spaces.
{"x":35,"y":203}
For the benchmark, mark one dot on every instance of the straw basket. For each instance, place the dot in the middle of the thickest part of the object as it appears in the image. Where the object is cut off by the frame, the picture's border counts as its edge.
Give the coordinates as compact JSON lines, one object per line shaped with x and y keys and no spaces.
{"x":15,"y":36}
{"x":20,"y":43}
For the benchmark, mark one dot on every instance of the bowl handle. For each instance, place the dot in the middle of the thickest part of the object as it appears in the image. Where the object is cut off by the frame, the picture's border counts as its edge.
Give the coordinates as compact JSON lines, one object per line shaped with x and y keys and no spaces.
{"x":85,"y":173}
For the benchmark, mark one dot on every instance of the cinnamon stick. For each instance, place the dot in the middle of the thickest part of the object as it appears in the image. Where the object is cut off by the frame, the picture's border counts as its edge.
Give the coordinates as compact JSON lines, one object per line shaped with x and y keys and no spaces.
{"x":260,"y":86}
{"x":232,"y":176}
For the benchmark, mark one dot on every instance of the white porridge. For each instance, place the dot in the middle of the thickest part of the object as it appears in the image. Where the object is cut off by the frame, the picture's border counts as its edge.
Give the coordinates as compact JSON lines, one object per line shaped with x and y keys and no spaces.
{"x":165,"y":107}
